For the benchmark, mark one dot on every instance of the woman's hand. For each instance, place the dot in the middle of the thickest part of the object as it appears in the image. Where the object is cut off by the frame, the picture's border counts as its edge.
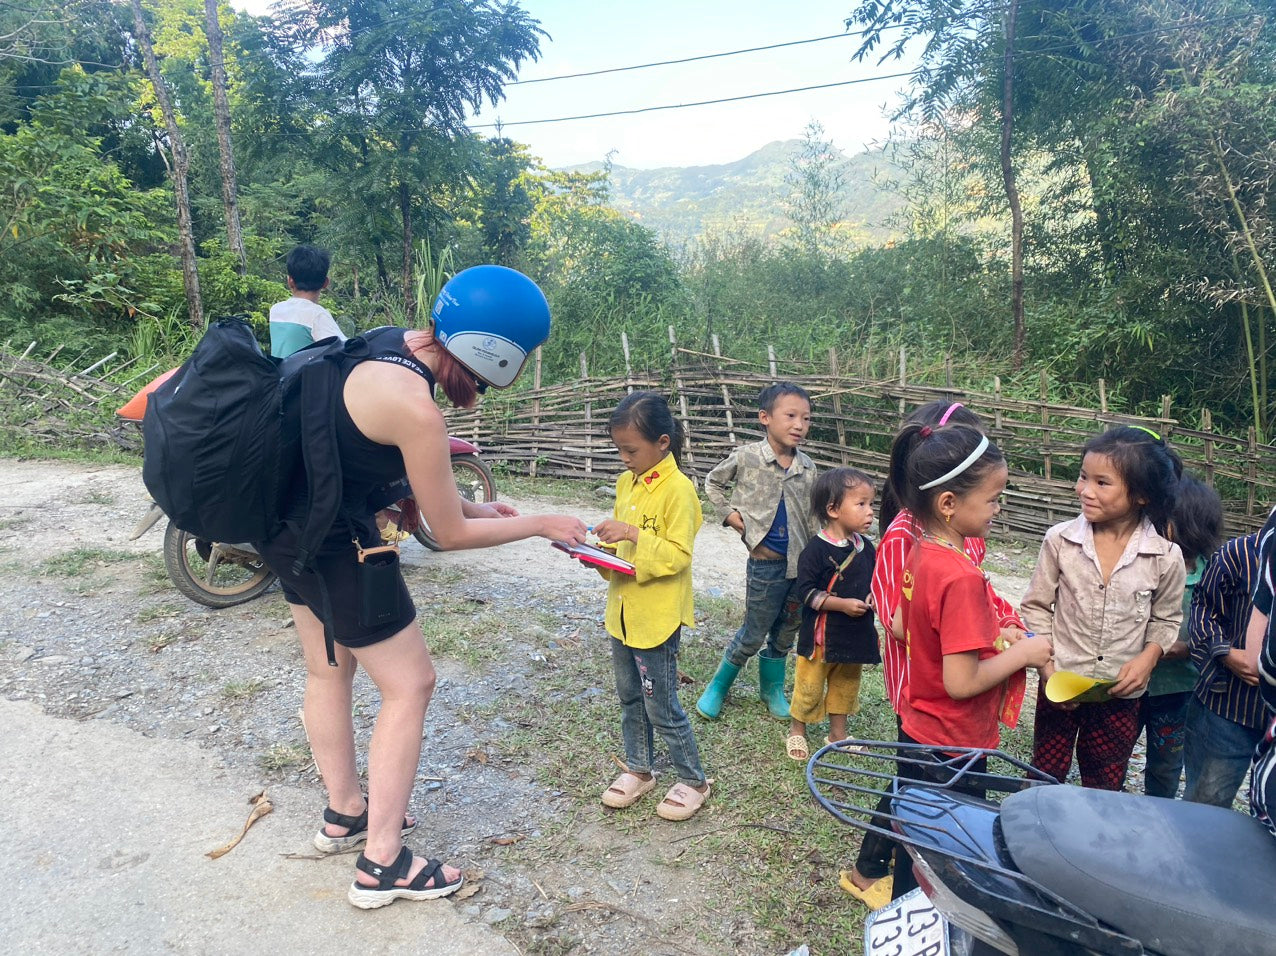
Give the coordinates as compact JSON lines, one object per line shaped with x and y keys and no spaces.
{"x":566,"y":528}
{"x":612,"y":531}
{"x":490,"y":509}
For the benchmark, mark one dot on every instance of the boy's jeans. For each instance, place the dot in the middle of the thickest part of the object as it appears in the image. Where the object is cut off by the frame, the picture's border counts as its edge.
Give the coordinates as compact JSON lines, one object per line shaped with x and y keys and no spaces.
{"x":1217,"y":755}
{"x":647,"y":684}
{"x":770,"y":612}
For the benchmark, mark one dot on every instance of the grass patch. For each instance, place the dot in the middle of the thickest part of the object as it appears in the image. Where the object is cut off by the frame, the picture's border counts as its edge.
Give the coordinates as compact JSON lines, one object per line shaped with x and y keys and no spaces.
{"x":157,"y":642}
{"x":761,"y":821}
{"x":78,"y":561}
{"x":154,"y":575}
{"x":99,"y":498}
{"x":282,"y":758}
{"x":14,"y":444}
{"x":243,"y":689}
{"x":554,"y":489}
{"x":157,"y":612}
{"x":456,"y":632}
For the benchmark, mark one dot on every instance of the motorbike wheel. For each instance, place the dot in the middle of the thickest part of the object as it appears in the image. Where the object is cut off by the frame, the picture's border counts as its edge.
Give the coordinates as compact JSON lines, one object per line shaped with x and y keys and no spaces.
{"x":214,"y":575}
{"x":475,"y":483}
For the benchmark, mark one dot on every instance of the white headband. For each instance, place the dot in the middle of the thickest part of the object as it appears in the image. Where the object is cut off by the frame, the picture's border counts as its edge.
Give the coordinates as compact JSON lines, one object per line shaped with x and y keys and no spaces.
{"x":973,"y":457}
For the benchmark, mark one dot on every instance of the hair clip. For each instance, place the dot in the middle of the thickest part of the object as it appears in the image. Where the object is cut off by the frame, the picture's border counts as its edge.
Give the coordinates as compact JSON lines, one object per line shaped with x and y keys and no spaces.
{"x":926,"y":431}
{"x":951,"y":408}
{"x":1143,"y":428}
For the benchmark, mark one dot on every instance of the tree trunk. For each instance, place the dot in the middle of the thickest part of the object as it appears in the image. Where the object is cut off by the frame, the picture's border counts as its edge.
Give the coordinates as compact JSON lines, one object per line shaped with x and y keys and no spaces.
{"x":221,"y":109}
{"x":405,"y":210}
{"x":1012,"y":190}
{"x":178,"y":170}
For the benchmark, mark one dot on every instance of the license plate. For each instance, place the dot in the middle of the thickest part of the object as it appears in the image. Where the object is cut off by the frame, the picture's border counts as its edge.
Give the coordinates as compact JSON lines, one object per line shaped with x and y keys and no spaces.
{"x":908,"y":926}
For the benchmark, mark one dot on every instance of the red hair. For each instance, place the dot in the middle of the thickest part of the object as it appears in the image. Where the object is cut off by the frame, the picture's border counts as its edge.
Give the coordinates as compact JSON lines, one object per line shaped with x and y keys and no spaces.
{"x":455,"y":379}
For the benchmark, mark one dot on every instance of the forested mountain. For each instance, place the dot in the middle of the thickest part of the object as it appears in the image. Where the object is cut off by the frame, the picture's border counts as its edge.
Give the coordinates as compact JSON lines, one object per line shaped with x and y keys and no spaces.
{"x":683,"y":203}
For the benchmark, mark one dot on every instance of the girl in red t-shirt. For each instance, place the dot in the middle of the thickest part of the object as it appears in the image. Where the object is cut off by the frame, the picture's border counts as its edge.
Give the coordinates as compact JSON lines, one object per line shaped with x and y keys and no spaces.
{"x":960,"y":679}
{"x":899,"y":534}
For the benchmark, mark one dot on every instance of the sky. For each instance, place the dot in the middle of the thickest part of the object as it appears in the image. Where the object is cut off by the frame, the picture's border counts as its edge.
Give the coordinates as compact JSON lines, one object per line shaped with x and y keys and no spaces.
{"x":587,"y":35}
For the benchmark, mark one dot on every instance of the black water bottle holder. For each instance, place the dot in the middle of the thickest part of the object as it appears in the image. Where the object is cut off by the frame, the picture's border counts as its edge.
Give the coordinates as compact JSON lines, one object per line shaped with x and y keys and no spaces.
{"x":378,"y":584}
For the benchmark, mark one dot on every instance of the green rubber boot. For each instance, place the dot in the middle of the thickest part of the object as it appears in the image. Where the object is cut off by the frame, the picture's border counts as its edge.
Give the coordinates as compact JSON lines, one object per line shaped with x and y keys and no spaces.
{"x":771,"y":685}
{"x":710,"y":703}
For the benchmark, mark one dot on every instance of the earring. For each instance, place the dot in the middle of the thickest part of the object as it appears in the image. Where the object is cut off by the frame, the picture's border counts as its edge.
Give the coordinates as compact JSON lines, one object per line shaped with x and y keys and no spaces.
{"x":948,"y":518}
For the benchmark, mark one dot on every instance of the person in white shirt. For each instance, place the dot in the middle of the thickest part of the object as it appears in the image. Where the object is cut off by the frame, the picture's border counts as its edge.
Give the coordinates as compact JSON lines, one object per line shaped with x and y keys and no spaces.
{"x":301,"y":320}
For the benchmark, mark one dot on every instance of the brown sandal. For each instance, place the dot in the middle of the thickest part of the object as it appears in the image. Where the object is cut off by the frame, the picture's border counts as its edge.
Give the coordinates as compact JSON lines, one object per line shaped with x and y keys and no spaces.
{"x":626,"y":790}
{"x":682,"y":802}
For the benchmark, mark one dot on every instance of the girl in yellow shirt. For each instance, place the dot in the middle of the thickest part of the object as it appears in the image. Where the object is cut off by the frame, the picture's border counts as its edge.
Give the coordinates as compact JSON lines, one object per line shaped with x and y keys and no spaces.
{"x":654,"y":527}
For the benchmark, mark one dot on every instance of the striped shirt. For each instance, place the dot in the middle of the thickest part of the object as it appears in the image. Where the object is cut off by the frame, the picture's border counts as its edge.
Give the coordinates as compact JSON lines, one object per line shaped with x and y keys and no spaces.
{"x":1262,"y":779}
{"x":1217,"y":621}
{"x":893,"y":550}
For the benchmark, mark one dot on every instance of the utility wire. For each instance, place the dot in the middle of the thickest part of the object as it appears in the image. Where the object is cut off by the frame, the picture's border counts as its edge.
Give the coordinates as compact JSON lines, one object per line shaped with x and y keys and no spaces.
{"x":680,"y":106}
{"x":690,"y":59}
{"x":1019,"y":54}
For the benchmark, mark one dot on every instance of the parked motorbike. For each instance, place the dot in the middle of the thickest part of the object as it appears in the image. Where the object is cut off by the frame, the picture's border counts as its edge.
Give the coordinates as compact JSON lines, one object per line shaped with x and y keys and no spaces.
{"x":1042,"y":869}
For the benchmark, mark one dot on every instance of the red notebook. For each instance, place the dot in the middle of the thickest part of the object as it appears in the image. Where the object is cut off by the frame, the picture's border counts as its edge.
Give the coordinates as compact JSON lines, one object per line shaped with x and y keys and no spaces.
{"x":594,"y":555}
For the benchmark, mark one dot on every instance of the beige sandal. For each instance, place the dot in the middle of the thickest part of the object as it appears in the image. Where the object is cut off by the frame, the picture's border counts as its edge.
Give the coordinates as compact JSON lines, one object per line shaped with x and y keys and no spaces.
{"x":626,"y":790}
{"x":797,"y":747}
{"x":681,"y":802}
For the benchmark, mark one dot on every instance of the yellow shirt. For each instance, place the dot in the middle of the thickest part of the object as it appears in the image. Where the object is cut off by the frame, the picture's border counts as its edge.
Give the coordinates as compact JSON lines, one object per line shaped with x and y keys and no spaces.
{"x":645,"y":608}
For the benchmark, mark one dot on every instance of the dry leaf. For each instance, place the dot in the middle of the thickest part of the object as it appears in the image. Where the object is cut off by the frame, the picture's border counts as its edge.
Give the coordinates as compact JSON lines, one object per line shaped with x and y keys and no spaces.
{"x":685,"y":678}
{"x":477,"y":755}
{"x":261,"y":805}
{"x":508,"y":840}
{"x":466,"y":891}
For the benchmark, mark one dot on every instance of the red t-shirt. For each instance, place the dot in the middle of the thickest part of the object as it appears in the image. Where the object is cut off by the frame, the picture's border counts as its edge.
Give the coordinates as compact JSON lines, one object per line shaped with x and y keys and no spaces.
{"x":892,"y":551}
{"x":947,"y":609}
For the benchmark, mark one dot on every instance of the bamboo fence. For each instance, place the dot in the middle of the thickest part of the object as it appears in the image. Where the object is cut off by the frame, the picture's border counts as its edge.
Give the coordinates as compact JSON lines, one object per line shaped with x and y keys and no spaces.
{"x":560,"y":429}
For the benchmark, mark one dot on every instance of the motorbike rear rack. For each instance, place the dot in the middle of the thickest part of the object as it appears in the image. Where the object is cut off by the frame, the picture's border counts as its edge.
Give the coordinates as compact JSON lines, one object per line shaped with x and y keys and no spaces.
{"x":850,"y":778}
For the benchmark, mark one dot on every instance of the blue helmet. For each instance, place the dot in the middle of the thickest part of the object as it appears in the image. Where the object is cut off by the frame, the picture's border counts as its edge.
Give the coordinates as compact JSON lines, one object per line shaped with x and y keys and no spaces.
{"x":490,"y":318}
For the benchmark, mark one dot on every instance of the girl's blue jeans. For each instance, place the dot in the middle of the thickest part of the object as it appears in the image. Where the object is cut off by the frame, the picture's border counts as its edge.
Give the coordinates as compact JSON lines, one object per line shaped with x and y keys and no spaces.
{"x":647,"y":684}
{"x":771,"y":612}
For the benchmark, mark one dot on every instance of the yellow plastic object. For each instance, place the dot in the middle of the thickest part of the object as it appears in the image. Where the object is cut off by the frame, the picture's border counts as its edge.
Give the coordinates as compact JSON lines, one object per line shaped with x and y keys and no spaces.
{"x":1068,"y":687}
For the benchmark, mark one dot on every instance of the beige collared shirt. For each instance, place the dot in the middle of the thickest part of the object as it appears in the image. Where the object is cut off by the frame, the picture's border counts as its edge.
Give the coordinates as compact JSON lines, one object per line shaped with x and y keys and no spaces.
{"x":1097,"y":628}
{"x":752,"y":481}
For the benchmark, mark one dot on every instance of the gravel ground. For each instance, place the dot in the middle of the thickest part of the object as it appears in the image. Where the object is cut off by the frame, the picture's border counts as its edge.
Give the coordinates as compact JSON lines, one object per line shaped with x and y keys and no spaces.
{"x":91,"y":630}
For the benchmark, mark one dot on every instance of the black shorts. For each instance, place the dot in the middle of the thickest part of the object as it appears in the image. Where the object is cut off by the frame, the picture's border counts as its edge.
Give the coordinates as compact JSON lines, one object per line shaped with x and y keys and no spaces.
{"x":338,"y":566}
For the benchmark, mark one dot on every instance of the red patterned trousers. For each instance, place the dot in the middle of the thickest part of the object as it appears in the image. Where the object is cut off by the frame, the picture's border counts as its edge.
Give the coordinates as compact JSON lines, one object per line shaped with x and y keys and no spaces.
{"x":1103,"y":736}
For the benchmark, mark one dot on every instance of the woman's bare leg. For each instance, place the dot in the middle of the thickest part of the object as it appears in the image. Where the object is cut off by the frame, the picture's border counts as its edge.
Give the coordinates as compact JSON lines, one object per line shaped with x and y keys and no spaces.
{"x":404,"y":673}
{"x":327,"y":710}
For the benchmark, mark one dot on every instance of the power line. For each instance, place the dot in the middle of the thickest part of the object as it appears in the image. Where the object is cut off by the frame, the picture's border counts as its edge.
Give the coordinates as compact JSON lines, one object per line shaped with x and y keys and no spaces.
{"x":689,"y":59}
{"x":680,"y":106}
{"x":1020,"y":54}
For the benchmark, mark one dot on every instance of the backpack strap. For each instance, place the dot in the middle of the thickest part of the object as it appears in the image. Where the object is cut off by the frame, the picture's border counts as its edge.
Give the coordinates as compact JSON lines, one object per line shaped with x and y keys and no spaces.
{"x":320,"y":390}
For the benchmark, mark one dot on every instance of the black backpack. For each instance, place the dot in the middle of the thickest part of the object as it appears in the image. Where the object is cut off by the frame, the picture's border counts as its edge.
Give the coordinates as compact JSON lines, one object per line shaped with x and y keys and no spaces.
{"x":226,"y":436}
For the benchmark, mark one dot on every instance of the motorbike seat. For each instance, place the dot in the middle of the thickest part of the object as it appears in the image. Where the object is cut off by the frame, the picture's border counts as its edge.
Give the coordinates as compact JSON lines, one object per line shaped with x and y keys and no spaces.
{"x":1183,"y":878}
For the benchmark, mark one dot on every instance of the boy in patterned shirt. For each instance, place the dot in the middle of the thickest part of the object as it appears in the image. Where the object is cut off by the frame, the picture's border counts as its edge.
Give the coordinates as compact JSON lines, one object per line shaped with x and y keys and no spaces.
{"x":763,"y":491}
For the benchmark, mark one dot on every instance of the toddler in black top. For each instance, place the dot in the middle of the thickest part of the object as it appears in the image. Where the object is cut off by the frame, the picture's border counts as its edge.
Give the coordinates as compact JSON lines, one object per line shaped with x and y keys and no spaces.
{"x":837,"y":635}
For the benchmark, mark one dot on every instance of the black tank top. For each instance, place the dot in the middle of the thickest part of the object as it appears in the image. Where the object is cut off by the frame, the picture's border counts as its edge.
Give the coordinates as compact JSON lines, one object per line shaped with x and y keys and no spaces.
{"x":372,"y":474}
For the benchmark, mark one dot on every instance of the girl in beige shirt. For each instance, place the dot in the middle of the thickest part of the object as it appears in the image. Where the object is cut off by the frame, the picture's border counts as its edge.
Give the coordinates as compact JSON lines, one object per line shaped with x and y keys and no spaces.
{"x":1107,"y":592}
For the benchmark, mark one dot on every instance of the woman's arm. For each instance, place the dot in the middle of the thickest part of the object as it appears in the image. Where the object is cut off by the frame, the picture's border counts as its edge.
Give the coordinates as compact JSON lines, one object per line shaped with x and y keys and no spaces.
{"x":393,"y":406}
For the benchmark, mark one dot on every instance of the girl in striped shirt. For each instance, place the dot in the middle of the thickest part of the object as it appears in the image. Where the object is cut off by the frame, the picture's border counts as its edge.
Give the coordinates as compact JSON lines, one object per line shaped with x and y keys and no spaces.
{"x":899,"y":536}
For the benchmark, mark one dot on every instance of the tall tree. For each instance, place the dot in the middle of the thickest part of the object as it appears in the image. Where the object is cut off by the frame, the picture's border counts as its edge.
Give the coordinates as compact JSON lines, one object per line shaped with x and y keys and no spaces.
{"x":221,"y":110}
{"x":178,"y":167}
{"x":398,"y":80}
{"x":816,"y":179}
